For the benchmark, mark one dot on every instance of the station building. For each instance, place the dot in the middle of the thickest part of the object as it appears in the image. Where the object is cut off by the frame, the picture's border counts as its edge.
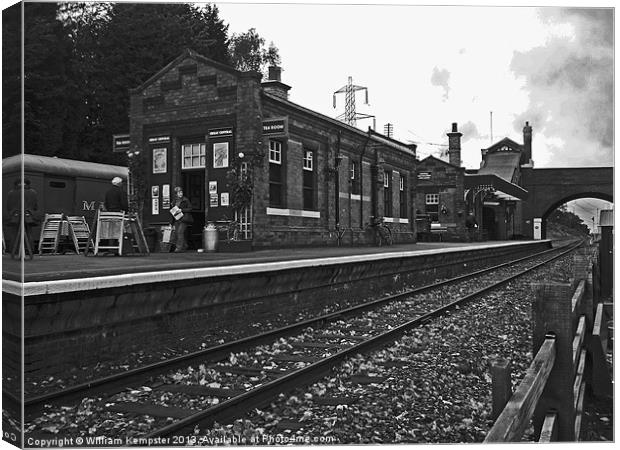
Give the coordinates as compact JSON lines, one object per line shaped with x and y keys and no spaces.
{"x":481,"y":204}
{"x":243,"y":152}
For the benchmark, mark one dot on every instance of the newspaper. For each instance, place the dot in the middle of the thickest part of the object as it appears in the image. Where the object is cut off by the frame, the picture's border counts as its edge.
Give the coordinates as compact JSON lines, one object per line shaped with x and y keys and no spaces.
{"x":176,"y":212}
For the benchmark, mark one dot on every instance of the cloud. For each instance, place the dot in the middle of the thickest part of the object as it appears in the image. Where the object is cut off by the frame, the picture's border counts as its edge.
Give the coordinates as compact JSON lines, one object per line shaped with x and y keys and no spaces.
{"x":470,"y":131}
{"x":440,"y":78}
{"x":570,"y":85}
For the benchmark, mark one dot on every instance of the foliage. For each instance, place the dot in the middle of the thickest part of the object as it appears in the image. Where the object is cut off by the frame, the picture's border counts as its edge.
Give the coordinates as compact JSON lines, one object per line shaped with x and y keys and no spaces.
{"x":81,"y":59}
{"x":568,"y":219}
{"x":241,"y":186}
{"x":11,"y":80}
{"x":247,"y":52}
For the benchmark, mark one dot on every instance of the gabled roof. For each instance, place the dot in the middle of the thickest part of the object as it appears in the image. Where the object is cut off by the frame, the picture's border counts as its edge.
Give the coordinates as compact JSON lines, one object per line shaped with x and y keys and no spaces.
{"x":504,"y":142}
{"x":502,"y":164}
{"x":434,"y":158}
{"x":188,"y":53}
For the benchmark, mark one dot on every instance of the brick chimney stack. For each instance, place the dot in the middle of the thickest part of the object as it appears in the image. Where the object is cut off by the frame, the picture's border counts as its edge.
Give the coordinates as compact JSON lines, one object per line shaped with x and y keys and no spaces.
{"x":454,"y":146}
{"x":527,"y":144}
{"x":274,"y":85}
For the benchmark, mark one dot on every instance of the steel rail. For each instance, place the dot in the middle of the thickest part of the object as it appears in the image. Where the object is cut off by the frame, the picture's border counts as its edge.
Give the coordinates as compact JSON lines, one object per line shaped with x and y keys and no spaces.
{"x":236,"y":406}
{"x":119,"y":381}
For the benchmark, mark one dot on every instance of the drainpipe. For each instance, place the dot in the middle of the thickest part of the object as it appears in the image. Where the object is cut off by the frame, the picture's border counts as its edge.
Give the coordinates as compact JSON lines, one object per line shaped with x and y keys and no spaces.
{"x":361,"y":170}
{"x":337,"y":161}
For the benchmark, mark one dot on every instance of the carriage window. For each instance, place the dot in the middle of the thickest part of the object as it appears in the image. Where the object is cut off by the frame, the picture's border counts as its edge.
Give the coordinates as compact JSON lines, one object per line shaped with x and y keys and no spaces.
{"x":58,"y":184}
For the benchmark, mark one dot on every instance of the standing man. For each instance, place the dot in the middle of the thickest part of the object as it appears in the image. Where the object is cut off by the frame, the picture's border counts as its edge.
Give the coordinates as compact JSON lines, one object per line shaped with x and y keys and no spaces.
{"x":183,"y":218}
{"x":15,"y":209}
{"x":116,"y":198}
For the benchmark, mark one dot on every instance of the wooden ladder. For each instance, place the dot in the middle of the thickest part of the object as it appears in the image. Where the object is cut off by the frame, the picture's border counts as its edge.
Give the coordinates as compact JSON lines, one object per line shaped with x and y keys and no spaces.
{"x":79,"y":232}
{"x":50,"y":233}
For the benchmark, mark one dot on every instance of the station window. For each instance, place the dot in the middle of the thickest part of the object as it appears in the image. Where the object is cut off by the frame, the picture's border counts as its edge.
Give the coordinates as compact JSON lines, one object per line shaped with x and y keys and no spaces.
{"x":308,"y":160}
{"x":276,"y":174}
{"x":402,"y":196}
{"x":355,"y":177}
{"x":387,"y":193}
{"x":275,"y":152}
{"x":432,"y":207}
{"x":432,"y":199}
{"x":308,"y":181}
{"x":194,"y":156}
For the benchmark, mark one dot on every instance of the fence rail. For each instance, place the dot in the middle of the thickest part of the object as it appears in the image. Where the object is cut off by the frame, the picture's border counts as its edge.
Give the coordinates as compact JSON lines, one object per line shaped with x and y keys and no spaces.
{"x":567,"y":329}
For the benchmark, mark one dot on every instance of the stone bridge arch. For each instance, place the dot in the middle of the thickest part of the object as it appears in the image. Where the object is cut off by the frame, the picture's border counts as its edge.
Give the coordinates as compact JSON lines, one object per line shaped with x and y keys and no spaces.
{"x":550,"y":188}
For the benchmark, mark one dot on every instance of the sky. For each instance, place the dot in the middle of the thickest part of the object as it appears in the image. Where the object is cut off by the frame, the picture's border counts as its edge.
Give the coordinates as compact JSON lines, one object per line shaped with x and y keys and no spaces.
{"x":428,"y":66}
{"x":488,"y":68}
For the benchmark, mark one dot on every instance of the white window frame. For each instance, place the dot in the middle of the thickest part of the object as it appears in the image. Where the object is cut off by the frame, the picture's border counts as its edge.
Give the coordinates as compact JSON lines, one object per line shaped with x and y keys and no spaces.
{"x":402,"y":183}
{"x":386,"y":178}
{"x":352,"y":170}
{"x":308,"y":160}
{"x":432,"y":199}
{"x":275,"y":152}
{"x":202,"y":155}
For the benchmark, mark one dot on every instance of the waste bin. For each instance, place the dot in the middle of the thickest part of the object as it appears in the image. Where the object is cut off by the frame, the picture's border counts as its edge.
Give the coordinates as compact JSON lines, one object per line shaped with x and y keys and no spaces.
{"x":210,"y":238}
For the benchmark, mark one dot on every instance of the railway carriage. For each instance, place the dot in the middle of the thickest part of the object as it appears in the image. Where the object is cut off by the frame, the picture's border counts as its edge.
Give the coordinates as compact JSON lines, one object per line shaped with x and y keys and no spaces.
{"x":63,"y":185}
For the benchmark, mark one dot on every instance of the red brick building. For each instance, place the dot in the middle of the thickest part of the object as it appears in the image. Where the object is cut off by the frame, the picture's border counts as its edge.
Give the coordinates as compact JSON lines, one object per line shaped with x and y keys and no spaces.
{"x":224,"y":137}
{"x":449,"y":197}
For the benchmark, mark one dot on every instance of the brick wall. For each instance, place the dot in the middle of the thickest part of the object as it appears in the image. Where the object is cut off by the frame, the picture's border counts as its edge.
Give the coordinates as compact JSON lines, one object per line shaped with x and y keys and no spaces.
{"x":85,"y":327}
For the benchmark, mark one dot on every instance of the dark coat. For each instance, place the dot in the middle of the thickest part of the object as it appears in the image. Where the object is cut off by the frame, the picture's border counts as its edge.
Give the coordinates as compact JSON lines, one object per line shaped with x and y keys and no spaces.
{"x":115,"y":199}
{"x":13,"y":205}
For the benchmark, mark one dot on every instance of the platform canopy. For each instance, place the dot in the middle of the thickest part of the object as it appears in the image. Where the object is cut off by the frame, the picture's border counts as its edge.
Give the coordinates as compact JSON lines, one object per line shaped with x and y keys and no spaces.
{"x":502,"y":189}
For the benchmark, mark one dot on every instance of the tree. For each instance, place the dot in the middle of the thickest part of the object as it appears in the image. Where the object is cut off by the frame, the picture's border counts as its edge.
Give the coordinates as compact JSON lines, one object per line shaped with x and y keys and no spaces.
{"x":569,"y":220}
{"x":247,"y":52}
{"x":11,"y":80}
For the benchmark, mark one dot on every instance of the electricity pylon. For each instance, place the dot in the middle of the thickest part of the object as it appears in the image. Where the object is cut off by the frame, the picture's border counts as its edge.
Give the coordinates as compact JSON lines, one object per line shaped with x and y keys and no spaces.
{"x":350,"y":116}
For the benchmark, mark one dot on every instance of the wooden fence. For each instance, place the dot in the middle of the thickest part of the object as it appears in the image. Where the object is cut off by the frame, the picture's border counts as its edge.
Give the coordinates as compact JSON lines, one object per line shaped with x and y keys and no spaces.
{"x":570,"y":339}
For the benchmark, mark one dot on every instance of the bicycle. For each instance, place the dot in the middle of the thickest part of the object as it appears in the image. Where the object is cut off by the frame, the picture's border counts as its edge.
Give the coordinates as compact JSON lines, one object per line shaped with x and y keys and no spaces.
{"x":383,"y":233}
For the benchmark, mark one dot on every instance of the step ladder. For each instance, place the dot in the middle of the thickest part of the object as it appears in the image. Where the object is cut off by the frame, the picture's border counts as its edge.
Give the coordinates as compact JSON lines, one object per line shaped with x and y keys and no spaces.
{"x":50,"y":233}
{"x":79,"y":233}
{"x":138,"y":241}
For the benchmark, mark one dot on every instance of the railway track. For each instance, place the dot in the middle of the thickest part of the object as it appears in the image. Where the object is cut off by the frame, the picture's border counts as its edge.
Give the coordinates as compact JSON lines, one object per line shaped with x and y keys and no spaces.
{"x":224,"y":382}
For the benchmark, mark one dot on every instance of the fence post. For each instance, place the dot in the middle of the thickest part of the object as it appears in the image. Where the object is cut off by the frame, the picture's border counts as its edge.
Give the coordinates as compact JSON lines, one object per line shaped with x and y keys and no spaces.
{"x":552,"y":313}
{"x":501,"y":384}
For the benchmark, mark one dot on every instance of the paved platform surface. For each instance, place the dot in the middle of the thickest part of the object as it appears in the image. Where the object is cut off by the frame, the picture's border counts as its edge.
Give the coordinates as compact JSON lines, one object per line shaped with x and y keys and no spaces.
{"x":71,"y":266}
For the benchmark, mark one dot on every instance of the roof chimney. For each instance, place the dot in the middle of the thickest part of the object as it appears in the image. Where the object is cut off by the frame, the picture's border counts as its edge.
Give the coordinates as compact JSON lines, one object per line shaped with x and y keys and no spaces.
{"x":274,"y":85}
{"x":527,"y":145}
{"x":454,"y":146}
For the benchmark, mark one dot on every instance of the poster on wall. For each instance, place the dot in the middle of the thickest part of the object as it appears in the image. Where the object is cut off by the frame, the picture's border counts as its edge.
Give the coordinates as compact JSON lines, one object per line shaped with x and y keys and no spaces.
{"x":165,"y":193}
{"x":220,"y":155}
{"x":155,"y":191}
{"x":224,"y":199}
{"x":155,"y":205}
{"x":159,"y":160}
{"x":212,"y":187}
{"x":213,"y":203}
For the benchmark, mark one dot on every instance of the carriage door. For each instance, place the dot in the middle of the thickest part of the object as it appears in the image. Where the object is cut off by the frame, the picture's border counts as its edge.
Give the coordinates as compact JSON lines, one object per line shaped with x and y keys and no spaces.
{"x":219,"y":159}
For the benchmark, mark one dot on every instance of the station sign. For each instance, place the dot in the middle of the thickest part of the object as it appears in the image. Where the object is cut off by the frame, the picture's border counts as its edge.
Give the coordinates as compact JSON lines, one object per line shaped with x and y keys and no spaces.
{"x":120,"y":142}
{"x":275,"y":127}
{"x":159,"y":139}
{"x":424,"y":175}
{"x":220,"y":132}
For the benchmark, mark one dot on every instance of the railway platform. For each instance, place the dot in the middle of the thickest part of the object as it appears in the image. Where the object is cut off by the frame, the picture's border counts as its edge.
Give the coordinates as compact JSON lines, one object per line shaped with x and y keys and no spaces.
{"x":71,"y":266}
{"x":80,"y":310}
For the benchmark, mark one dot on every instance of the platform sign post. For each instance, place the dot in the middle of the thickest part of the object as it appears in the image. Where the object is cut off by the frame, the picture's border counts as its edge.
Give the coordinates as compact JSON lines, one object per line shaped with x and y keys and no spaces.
{"x":537,"y":228}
